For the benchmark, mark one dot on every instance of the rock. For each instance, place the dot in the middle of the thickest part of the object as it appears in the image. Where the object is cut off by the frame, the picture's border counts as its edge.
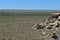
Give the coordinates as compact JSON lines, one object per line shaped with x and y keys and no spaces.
{"x":55,"y":36}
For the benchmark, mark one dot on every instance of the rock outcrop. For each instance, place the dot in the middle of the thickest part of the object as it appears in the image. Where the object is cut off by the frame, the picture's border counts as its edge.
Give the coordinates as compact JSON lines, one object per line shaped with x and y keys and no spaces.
{"x":52,"y":24}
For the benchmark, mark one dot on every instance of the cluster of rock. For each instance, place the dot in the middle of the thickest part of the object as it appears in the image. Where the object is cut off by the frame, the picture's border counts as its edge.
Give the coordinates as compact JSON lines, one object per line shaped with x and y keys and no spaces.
{"x":51,"y":22}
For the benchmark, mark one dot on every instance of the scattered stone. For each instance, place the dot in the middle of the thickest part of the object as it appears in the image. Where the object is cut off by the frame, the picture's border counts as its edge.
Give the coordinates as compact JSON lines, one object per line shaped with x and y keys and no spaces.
{"x":55,"y":36}
{"x":51,"y":22}
{"x":49,"y":27}
{"x":57,"y":25}
{"x":44,"y":33}
{"x":40,"y":27}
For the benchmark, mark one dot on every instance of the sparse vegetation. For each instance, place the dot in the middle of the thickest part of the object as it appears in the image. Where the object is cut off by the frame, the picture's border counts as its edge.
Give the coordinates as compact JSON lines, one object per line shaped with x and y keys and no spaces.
{"x":24,"y":13}
{"x":18,"y":25}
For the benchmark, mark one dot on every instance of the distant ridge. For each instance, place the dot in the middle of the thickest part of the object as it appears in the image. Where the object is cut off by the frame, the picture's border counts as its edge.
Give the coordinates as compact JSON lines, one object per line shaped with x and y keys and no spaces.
{"x":18,"y":10}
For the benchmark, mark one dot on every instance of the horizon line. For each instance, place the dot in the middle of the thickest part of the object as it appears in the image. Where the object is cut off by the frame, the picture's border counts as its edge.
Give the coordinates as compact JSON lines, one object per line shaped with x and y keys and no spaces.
{"x":26,"y":9}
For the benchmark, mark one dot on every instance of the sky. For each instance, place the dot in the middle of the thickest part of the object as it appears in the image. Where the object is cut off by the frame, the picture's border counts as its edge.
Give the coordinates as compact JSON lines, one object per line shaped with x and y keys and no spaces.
{"x":30,"y":4}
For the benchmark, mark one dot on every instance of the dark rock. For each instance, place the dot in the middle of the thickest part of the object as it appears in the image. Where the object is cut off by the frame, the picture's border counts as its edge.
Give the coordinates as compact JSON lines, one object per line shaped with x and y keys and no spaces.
{"x":55,"y":36}
{"x":57,"y":25}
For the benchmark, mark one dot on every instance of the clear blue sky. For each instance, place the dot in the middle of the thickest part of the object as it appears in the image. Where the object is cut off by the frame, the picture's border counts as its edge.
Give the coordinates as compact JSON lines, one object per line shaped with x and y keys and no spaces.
{"x":30,"y":4}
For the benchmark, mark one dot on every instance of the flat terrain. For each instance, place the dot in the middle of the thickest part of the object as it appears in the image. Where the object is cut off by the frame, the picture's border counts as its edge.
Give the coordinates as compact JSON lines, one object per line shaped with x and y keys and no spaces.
{"x":20,"y":27}
{"x":16,"y":25}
